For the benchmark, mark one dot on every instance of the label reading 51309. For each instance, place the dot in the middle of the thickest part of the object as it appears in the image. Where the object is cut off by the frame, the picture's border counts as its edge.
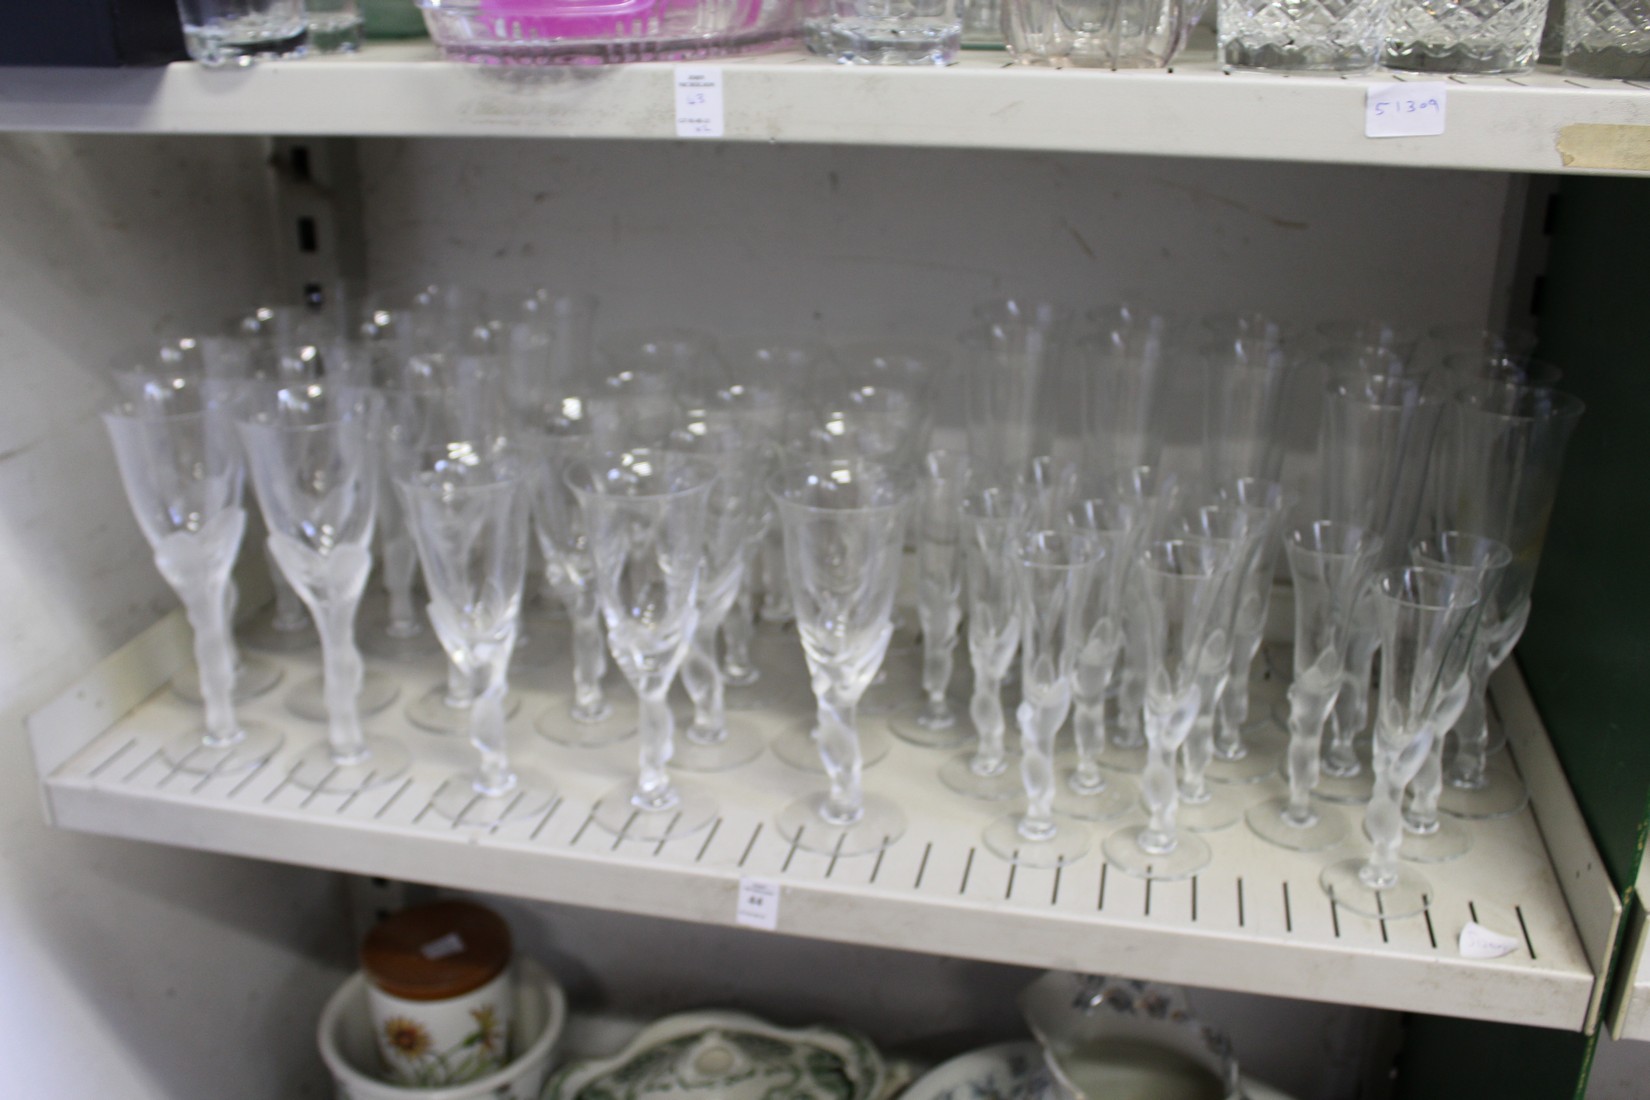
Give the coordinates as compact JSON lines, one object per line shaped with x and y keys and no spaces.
{"x":1404,"y":109}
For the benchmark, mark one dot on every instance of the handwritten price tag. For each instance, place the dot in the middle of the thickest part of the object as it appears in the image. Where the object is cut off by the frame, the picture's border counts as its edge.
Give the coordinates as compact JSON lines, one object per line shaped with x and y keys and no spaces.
{"x":1478,"y":942}
{"x":758,"y":903}
{"x":698,"y":101}
{"x":1404,"y":110}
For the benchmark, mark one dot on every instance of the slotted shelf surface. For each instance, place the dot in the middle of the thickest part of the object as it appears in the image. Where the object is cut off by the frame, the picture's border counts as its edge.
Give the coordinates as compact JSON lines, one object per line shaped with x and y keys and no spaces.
{"x":1537,"y":122}
{"x":1255,"y":920}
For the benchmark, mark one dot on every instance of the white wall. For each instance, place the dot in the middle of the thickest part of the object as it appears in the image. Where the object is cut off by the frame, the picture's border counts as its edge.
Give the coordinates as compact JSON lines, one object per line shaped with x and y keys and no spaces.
{"x":847,"y":242}
{"x":125,"y":970}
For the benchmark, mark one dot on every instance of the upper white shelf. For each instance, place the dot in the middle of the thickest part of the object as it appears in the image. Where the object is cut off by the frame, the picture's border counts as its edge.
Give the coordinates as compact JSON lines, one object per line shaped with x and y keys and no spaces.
{"x":1255,"y":920}
{"x":1542,"y":122}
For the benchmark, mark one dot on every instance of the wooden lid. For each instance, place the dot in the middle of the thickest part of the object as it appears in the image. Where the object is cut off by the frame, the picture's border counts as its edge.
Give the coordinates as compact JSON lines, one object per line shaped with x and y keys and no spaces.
{"x":433,"y":952}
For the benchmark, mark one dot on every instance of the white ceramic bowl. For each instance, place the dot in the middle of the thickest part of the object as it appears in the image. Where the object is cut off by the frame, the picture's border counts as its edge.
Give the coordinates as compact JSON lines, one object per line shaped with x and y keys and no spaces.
{"x":345,"y":1037}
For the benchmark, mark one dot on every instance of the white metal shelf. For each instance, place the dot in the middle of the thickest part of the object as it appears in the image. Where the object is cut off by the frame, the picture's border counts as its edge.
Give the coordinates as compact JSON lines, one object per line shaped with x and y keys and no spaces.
{"x":1541,"y":122}
{"x":1255,"y":921}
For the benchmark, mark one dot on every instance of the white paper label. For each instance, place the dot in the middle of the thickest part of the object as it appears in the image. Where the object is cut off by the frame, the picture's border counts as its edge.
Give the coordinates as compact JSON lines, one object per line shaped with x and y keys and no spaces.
{"x":450,"y":944}
{"x":698,"y":101}
{"x":758,"y":903}
{"x":1404,"y":110}
{"x":1478,"y":942}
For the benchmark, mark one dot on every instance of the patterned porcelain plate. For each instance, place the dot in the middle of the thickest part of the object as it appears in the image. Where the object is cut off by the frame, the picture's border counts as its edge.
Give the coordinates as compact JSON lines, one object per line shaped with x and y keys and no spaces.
{"x":727,"y":1056}
{"x":1006,"y":1071}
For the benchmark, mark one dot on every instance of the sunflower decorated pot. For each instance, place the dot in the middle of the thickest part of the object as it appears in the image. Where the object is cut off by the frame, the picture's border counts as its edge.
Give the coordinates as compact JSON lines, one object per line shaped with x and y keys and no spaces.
{"x":348,"y":1041}
{"x":440,"y":993}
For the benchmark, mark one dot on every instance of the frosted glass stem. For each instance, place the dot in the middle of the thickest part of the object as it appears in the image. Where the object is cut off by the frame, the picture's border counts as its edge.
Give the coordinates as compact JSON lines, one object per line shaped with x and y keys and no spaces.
{"x":461,"y":688}
{"x":589,"y":659}
{"x":738,"y":630}
{"x":197,"y":565}
{"x":1421,"y":815}
{"x":1089,"y":683}
{"x":1038,"y":726}
{"x":1157,"y":784}
{"x":1348,"y":717}
{"x":703,"y":681}
{"x":332,"y":587}
{"x":986,"y":709}
{"x":838,"y":740}
{"x":1198,"y":751}
{"x":1234,"y":701}
{"x":1383,"y":819}
{"x":215,"y":658}
{"x":400,"y":564}
{"x":1131,"y":702}
{"x":939,"y":615}
{"x":1469,"y":769}
{"x":776,"y":583}
{"x":656,"y":729}
{"x":487,"y":733}
{"x":342,"y":676}
{"x":1308,"y":711}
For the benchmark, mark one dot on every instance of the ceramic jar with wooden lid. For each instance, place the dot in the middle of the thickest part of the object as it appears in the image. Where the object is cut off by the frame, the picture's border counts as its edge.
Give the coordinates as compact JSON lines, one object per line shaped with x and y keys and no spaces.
{"x":439,"y":988}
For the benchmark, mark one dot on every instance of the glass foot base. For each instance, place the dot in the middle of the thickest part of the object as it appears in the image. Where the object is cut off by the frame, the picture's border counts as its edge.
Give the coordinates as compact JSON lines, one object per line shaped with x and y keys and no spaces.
{"x":420,"y":647}
{"x":1446,"y":842}
{"x":1219,"y":811}
{"x":690,"y":810}
{"x":262,"y":635}
{"x":460,"y":802}
{"x":432,"y":713}
{"x":1067,"y":844}
{"x":1264,"y":744}
{"x":740,"y":678}
{"x":540,"y":647}
{"x":1408,"y":895}
{"x":315,"y":770}
{"x":1268,"y":821}
{"x":908,"y":726}
{"x":190,"y":752}
{"x":797,"y":747}
{"x":1115,"y":797}
{"x":883,"y":697}
{"x":741,"y":745}
{"x":308,"y":699}
{"x":803,"y":823}
{"x":762,"y":693}
{"x":1123,"y":851}
{"x":254,"y":676}
{"x":1346,"y":790}
{"x":560,"y":726}
{"x":1503,"y":796}
{"x":959,"y":774}
{"x":1130,"y":759}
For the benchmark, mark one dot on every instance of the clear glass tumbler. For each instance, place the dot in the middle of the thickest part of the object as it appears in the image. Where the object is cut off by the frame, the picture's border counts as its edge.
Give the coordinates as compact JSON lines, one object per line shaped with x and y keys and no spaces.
{"x":1097,"y":34}
{"x":1327,"y":35}
{"x":894,"y":32}
{"x":220,"y":33}
{"x":1464,"y":36}
{"x":334,"y":26}
{"x":1607,"y":38}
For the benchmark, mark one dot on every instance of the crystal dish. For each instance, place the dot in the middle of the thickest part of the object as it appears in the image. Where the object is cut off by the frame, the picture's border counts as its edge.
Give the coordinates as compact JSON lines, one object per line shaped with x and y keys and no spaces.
{"x":595,"y":32}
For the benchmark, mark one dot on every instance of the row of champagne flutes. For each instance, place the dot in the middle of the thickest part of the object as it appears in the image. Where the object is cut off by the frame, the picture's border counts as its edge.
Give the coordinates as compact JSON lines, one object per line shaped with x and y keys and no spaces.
{"x":1435,"y":477}
{"x":1065,"y":562}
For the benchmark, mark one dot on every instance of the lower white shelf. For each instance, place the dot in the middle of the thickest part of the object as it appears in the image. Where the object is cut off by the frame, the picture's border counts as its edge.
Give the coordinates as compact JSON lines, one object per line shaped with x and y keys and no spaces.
{"x":1254,"y":921}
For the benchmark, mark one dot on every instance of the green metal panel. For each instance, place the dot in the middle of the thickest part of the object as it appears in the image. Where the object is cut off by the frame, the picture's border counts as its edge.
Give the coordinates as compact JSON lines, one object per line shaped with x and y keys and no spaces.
{"x":1586,"y":654}
{"x":1447,"y":1059}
